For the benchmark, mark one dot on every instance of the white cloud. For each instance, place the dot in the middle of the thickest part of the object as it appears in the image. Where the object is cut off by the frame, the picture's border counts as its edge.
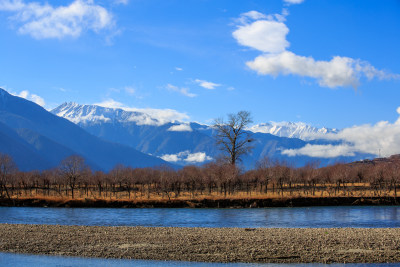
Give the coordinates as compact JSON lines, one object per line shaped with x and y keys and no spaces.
{"x":178,"y":69}
{"x":170,"y":158}
{"x":180,"y":128}
{"x":198,"y":157}
{"x":154,"y":116}
{"x":254,"y":15}
{"x":322,"y":151}
{"x":187,"y":157}
{"x":130,"y":90}
{"x":292,"y":2}
{"x":121,"y":2}
{"x":31,"y":97}
{"x":267,"y":33}
{"x":43,"y":21}
{"x":111,"y":103}
{"x":165,"y":115}
{"x":181,"y":90}
{"x":340,"y":71}
{"x":37,"y":99}
{"x":23,"y":94}
{"x":382,"y":138}
{"x":206,"y":84}
{"x":268,"y":36}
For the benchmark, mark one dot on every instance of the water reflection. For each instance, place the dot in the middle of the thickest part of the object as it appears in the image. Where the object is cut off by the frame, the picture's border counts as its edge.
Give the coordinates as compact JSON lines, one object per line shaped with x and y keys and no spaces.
{"x":314,"y":217}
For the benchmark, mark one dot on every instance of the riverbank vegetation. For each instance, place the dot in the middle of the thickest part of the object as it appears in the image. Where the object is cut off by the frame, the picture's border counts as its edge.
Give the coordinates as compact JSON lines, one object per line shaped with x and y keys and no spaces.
{"x":269,"y":180}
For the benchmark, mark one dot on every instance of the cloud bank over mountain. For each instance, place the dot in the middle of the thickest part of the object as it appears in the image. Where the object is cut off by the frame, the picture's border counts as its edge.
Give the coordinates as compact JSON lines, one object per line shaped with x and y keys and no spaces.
{"x":151,"y":116}
{"x":186,"y":143}
{"x":30,"y":96}
{"x":382,"y":138}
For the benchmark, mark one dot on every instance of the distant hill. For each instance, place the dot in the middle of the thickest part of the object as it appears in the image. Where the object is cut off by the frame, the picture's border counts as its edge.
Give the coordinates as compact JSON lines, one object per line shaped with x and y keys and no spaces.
{"x":37,"y":139}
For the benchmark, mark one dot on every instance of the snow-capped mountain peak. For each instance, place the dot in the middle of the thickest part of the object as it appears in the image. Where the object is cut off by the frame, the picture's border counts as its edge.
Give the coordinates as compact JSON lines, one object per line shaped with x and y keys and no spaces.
{"x":299,"y":130}
{"x":95,"y":114}
{"x":77,"y":113}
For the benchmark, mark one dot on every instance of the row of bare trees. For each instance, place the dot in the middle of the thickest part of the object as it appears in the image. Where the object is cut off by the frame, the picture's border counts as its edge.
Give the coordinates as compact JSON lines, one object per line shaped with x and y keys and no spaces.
{"x":74,"y":179}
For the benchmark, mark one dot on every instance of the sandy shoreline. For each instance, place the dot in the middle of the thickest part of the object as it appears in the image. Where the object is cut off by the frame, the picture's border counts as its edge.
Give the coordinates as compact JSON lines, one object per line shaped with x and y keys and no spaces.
{"x":274,"y":245}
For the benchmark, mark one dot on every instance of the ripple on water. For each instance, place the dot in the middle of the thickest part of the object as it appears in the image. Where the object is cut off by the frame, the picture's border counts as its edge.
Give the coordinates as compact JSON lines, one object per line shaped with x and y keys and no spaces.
{"x":309,"y":217}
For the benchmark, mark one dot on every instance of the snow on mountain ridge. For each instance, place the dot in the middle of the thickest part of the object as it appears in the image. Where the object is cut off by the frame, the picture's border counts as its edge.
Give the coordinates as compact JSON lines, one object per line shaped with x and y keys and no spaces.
{"x":77,"y":113}
{"x":83,"y":114}
{"x":299,"y":130}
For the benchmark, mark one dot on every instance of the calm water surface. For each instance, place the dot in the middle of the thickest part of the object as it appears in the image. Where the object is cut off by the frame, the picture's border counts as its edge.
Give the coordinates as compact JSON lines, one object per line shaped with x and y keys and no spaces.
{"x":17,"y":260}
{"x":314,"y":217}
{"x":376,"y":216}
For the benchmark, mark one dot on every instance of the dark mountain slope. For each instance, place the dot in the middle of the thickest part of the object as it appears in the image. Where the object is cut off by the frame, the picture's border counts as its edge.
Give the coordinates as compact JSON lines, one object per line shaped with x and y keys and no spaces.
{"x":46,"y":132}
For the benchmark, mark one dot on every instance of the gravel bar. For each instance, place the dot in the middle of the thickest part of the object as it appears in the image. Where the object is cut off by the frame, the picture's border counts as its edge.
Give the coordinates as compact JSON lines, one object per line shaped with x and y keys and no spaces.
{"x":272,"y":245}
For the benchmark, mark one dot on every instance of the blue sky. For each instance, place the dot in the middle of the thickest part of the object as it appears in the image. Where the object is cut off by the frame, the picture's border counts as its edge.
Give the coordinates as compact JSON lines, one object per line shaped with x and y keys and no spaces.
{"x":332,"y":63}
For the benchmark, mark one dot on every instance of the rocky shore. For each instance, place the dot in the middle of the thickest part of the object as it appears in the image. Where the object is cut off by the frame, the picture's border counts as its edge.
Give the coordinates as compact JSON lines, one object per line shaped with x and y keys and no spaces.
{"x":273,"y":245}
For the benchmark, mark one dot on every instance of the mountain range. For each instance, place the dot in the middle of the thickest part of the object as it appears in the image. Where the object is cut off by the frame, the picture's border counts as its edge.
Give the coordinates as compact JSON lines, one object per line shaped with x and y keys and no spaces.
{"x":299,"y":130}
{"x":38,"y":139}
{"x":189,"y":142}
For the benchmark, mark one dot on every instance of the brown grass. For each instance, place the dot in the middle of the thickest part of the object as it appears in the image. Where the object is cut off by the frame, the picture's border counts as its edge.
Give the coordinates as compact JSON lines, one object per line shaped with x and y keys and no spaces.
{"x":198,"y":197}
{"x":295,"y":191}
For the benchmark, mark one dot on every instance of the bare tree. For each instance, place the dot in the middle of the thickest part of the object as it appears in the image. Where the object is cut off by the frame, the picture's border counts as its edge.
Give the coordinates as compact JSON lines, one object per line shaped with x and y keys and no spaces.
{"x":231,"y":136}
{"x":265,"y":171}
{"x":7,"y":167}
{"x":116,"y":177}
{"x":72,"y":168}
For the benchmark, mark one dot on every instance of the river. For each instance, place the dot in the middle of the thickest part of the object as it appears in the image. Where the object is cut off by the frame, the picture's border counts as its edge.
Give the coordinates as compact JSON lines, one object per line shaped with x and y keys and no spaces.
{"x":310,"y":217}
{"x":313,"y":217}
{"x":22,"y":260}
